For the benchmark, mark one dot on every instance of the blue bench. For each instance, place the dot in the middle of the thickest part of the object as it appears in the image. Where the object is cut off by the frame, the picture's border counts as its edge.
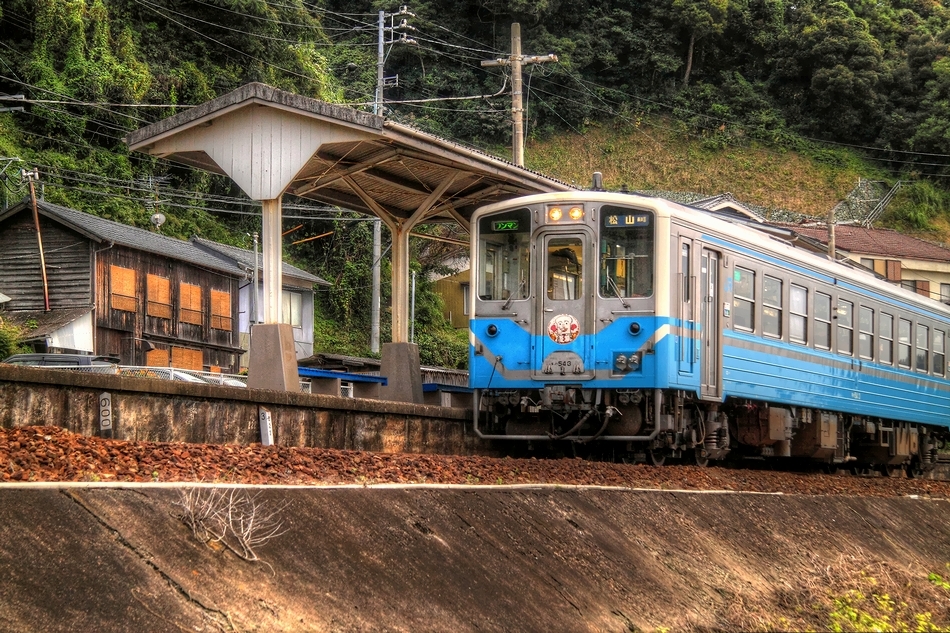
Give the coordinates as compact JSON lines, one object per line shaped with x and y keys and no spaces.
{"x":328,"y":382}
{"x":444,"y":395}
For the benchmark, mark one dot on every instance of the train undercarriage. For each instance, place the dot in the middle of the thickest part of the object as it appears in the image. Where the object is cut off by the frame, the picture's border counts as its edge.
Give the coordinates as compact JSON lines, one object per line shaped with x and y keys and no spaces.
{"x":654,"y":426}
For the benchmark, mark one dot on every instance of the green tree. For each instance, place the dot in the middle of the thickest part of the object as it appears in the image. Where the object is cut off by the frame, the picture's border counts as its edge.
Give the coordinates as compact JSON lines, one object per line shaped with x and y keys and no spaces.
{"x":827,"y":69}
{"x":700,"y":18}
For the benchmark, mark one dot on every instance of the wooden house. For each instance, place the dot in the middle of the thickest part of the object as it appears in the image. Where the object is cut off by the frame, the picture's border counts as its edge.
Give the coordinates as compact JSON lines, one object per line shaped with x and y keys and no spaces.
{"x":81,"y":283}
{"x":296,"y":296}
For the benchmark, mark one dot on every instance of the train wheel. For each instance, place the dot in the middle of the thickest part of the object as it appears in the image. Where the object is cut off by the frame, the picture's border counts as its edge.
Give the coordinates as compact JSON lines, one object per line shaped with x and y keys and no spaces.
{"x":700,"y":458}
{"x":890,"y":470}
{"x":656,"y":458}
{"x":914,"y":470}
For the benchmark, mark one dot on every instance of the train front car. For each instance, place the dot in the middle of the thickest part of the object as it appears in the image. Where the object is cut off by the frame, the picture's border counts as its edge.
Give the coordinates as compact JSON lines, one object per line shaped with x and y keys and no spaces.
{"x":572,"y":336}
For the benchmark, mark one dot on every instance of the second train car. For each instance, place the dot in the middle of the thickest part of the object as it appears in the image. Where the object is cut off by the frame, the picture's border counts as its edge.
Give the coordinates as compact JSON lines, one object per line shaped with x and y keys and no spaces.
{"x":668,"y":332}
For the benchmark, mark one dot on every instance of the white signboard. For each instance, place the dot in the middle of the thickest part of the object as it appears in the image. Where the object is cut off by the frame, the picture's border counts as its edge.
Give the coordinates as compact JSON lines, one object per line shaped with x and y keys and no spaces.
{"x":105,"y":411}
{"x":267,"y":428}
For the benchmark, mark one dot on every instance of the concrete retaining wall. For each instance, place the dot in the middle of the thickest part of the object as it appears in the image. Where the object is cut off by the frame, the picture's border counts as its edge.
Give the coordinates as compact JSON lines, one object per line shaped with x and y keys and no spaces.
{"x":169,"y":411}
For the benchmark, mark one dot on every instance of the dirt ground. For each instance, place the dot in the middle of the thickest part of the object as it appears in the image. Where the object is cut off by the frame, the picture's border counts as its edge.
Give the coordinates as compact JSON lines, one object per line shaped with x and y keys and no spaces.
{"x":636,"y":548}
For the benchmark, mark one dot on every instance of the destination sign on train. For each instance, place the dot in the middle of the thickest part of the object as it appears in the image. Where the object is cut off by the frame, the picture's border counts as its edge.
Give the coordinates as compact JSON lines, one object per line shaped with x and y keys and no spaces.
{"x":629,"y":219}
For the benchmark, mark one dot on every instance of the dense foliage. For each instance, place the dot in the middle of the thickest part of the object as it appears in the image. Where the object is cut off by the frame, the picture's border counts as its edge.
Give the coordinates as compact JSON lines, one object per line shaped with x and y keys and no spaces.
{"x":734,"y":75}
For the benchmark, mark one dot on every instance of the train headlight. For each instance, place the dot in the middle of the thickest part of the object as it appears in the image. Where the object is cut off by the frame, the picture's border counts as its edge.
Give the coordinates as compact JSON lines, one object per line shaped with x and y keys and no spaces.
{"x":576,"y":213}
{"x":555,"y":214}
{"x":634,"y":361}
{"x":620,"y":362}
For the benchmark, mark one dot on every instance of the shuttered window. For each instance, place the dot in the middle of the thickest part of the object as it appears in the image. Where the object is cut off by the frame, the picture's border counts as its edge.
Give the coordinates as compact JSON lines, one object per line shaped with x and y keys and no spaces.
{"x":184,"y":358}
{"x":159,"y":297}
{"x":122,"y":288}
{"x":157,"y":358}
{"x":191,"y":304}
{"x":220,"y":310}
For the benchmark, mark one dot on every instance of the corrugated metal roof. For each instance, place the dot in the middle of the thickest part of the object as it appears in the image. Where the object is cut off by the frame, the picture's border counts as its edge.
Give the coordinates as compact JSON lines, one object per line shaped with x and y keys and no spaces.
{"x":41,"y":323}
{"x":245,"y":259}
{"x":397,"y":167}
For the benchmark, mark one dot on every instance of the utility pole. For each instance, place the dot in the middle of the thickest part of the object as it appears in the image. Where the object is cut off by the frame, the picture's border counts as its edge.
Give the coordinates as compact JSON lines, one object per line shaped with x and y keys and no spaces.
{"x":31,"y":177}
{"x":516,"y":60}
{"x":381,"y":83}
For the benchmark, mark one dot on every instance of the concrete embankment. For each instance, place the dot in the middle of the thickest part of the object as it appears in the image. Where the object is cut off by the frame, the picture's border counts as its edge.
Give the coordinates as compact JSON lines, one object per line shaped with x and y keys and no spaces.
{"x":170,"y":411}
{"x":87,"y":557}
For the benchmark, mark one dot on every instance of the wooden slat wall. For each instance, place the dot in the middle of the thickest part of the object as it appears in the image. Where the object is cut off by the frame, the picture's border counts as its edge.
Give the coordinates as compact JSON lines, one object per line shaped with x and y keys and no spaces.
{"x":163,"y":287}
{"x":68,"y":270}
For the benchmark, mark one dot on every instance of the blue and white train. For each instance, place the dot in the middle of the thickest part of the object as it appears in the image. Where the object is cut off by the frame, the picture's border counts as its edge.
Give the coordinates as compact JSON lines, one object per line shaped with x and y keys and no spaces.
{"x":670,"y":332}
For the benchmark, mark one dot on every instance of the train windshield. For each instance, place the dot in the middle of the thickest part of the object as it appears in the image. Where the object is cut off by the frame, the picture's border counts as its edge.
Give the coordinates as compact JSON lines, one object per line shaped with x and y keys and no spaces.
{"x":504,"y":255}
{"x":626,"y":252}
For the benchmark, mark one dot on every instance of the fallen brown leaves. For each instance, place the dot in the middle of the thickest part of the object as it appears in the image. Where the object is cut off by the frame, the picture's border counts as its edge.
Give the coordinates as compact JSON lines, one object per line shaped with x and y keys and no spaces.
{"x":54,"y":454}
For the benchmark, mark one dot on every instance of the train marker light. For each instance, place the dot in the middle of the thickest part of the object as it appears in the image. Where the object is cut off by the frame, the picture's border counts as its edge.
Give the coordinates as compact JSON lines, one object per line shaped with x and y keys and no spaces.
{"x":492,"y":330}
{"x":634,"y":328}
{"x":620,"y":362}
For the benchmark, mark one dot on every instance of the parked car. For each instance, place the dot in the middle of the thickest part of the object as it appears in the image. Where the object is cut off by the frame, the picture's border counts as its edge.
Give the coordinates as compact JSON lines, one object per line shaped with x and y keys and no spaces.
{"x":62,"y":360}
{"x":163,"y":373}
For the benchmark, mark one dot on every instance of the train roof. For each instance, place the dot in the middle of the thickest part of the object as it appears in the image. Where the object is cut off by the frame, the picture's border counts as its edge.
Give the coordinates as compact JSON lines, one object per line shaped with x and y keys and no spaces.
{"x":782,"y":243}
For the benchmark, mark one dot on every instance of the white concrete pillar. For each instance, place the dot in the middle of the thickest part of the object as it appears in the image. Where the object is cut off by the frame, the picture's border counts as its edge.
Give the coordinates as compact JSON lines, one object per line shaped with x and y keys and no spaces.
{"x":273,"y":267}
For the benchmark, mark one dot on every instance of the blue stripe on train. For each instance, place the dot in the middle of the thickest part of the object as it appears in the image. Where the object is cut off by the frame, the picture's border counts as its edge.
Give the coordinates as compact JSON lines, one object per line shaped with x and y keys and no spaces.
{"x":786,"y":374}
{"x":660,"y":366}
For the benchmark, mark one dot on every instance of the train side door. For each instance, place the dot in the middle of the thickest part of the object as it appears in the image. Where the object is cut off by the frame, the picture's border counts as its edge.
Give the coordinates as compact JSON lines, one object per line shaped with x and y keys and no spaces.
{"x":565,"y":291}
{"x":710,"y":356}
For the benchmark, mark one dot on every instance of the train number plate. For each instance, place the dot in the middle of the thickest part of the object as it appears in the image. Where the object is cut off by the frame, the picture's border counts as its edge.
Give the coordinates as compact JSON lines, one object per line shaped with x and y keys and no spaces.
{"x":563,"y":364}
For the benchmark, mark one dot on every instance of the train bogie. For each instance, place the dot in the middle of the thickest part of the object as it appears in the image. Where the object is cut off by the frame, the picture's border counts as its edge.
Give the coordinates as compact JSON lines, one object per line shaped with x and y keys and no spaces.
{"x":626,"y":321}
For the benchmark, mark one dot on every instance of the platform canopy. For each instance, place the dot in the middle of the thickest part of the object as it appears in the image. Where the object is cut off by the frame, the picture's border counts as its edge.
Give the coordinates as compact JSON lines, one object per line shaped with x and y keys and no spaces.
{"x":272,"y":142}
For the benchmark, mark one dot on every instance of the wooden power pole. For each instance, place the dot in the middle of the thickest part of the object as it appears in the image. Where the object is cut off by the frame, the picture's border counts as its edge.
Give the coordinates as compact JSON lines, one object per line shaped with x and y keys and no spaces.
{"x":516,"y":60}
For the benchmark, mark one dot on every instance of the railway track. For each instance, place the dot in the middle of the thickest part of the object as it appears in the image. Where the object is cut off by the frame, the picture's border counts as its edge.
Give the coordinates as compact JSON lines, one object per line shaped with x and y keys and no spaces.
{"x":53,"y":454}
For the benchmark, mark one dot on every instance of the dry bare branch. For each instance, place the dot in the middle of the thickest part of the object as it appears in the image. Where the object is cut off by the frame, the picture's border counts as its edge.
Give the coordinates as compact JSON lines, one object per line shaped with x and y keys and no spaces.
{"x":233,"y":517}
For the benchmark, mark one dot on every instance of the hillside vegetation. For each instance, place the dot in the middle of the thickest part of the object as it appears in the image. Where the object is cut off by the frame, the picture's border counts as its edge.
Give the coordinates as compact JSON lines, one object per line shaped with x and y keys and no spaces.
{"x":786,"y":105}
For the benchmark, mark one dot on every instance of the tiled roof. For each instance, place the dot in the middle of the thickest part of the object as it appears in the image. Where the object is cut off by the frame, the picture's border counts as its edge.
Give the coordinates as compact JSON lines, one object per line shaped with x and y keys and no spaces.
{"x":876,"y":242}
{"x":103,"y":230}
{"x":198,"y":251}
{"x":245,"y":259}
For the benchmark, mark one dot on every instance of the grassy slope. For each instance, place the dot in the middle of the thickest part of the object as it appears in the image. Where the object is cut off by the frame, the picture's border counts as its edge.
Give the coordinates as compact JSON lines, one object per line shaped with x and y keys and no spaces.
{"x":657,"y":157}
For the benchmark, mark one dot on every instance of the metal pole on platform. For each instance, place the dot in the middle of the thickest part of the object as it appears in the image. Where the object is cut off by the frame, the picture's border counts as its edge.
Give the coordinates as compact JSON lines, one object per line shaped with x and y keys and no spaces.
{"x":412,"y":311}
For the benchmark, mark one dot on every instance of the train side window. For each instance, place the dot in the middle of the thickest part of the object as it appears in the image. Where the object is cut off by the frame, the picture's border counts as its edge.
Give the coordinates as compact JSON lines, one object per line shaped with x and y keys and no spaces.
{"x":626,"y":253}
{"x":744,"y":299}
{"x":504,"y":256}
{"x":903,"y":343}
{"x":797,"y":314}
{"x":685,"y":271}
{"x":886,"y":338}
{"x":866,"y":333}
{"x":923,"y":348}
{"x":845,"y":314}
{"x":940,"y":360}
{"x":822,"y":321}
{"x":772,"y":306}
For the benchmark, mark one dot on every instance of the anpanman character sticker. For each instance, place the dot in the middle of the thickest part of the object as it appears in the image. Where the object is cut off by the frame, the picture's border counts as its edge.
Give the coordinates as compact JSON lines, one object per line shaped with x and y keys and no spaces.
{"x":563,"y":329}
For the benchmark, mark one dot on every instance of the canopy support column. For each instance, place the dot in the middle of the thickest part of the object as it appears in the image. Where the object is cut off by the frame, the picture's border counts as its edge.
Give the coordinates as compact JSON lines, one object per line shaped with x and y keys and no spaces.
{"x":273,"y":358}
